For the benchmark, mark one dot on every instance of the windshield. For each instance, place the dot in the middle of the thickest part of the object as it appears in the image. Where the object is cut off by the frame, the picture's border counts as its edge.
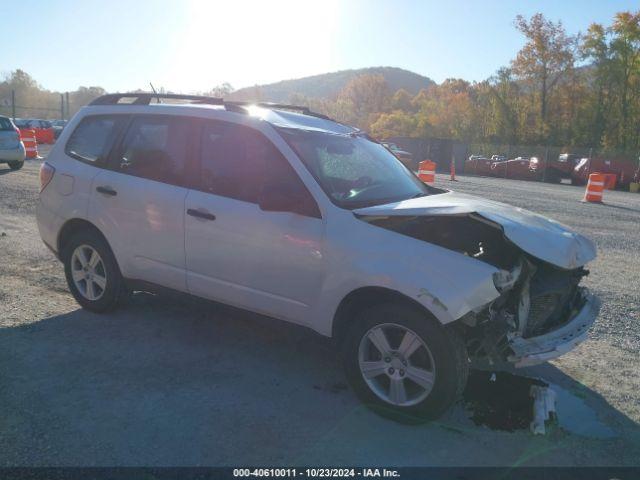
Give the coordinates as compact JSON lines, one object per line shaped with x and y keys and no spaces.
{"x":353,"y":171}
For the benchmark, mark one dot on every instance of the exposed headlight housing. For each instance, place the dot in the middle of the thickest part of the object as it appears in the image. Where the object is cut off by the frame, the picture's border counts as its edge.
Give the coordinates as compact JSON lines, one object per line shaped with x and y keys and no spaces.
{"x":504,"y":280}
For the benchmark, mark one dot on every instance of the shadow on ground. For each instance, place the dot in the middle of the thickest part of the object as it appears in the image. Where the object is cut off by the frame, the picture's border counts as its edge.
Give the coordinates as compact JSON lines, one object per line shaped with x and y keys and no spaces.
{"x":174,"y":382}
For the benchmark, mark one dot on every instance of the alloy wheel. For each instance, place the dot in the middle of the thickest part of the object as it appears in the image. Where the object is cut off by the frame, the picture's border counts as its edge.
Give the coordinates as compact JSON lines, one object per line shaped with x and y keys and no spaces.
{"x":88,"y":272}
{"x":396,"y":364}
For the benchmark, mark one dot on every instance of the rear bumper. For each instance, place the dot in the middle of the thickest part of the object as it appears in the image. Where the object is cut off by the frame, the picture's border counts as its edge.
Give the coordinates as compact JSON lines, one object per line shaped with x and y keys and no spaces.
{"x":535,"y":350}
{"x":16,"y":154}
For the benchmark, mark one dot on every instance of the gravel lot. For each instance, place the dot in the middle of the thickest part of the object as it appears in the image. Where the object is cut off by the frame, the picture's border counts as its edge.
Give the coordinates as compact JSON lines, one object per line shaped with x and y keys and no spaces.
{"x":169,"y":381}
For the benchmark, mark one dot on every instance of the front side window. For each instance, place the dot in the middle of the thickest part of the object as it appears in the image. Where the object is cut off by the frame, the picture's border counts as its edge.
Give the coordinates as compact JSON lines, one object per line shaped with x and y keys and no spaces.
{"x":155,"y":148}
{"x":238,"y":162}
{"x":353,"y":170}
{"x":93,"y":138}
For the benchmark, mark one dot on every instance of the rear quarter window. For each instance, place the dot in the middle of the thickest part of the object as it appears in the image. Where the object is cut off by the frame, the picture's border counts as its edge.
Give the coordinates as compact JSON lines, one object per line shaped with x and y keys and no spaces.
{"x":93,"y":138}
{"x":5,"y":124}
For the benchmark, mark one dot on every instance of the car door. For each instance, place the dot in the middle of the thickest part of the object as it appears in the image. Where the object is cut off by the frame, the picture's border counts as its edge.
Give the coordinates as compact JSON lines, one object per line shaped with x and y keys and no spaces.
{"x":138,"y":202}
{"x":270,"y":262}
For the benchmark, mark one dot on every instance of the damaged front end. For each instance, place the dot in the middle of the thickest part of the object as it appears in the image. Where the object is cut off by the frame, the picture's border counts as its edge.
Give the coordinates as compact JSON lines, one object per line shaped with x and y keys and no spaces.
{"x":541,"y":315}
{"x":541,"y":311}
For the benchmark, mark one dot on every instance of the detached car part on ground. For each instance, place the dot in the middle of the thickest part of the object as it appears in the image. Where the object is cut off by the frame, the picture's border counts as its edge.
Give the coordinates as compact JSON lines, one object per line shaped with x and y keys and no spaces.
{"x":313,"y":223}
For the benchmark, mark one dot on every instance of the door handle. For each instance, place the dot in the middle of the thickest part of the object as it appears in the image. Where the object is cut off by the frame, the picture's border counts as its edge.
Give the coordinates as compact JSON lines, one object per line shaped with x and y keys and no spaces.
{"x":199,"y":214}
{"x":106,"y":191}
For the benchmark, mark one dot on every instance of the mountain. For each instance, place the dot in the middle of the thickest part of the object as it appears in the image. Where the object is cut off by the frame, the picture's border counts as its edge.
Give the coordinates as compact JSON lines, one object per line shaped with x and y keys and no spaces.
{"x":328,"y":85}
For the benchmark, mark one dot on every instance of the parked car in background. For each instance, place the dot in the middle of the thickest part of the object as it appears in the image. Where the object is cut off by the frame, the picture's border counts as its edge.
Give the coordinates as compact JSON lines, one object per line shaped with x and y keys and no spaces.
{"x":58,"y":126}
{"x":624,"y":169}
{"x":554,"y":170}
{"x":517,"y":169}
{"x":11,"y":147}
{"x":477,"y":165}
{"x":43,"y":128}
{"x":405,"y":157}
{"x":498,"y":158}
{"x":307,"y":220}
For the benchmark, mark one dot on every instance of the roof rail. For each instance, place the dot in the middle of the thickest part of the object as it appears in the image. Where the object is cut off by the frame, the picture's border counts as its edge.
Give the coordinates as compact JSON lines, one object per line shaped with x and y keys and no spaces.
{"x":145,"y":98}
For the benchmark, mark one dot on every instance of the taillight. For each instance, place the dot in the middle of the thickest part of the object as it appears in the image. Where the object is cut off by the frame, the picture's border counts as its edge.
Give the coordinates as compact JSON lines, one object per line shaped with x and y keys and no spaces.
{"x":46,"y":174}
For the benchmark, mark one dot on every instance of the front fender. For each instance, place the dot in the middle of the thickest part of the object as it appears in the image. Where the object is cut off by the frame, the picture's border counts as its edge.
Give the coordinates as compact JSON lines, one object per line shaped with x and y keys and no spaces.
{"x":445,"y":282}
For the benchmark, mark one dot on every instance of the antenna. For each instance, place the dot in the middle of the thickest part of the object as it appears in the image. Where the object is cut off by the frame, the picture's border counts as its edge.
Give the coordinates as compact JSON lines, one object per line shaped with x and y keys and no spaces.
{"x":154,"y":91}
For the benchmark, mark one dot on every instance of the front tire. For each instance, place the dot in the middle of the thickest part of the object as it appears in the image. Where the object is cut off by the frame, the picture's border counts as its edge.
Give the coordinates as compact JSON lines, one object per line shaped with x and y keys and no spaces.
{"x":92,"y":272}
{"x":16,"y":165}
{"x":403,"y":364}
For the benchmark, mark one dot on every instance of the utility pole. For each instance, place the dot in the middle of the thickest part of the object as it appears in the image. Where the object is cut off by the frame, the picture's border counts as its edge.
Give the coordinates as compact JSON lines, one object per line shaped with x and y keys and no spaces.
{"x":61,"y":107}
{"x":13,"y":104}
{"x":68,"y":111}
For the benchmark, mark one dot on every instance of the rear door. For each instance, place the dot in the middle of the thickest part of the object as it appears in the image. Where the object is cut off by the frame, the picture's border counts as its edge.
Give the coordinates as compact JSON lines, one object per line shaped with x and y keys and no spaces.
{"x":138,"y":202}
{"x":269,"y":262}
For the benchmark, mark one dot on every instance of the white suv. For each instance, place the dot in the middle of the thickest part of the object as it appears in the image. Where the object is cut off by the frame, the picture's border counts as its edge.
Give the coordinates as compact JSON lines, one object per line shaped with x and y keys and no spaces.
{"x":284,"y":212}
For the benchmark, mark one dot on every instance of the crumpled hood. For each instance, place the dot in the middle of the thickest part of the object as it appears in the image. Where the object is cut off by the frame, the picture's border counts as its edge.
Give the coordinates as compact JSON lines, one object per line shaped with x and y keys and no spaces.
{"x":539,"y":236}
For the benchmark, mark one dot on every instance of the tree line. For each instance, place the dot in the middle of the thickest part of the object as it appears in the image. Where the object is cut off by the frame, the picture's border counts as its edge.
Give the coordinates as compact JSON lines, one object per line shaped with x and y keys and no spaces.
{"x":34,"y":101}
{"x":564,"y":90}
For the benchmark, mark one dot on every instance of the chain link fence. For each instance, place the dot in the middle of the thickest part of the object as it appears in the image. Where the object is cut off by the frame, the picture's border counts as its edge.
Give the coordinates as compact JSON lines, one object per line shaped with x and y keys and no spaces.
{"x":45,"y":106}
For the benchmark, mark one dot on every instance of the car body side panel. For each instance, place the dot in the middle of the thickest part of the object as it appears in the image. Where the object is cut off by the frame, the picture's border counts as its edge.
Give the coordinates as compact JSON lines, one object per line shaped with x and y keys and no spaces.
{"x":67,"y":195}
{"x":446,"y":283}
{"x":268,"y":262}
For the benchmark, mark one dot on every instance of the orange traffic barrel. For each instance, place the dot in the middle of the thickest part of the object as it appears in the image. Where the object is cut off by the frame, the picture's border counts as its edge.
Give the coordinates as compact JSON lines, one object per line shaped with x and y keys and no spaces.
{"x":595,"y":188}
{"x":427,"y":172}
{"x":28,"y":137}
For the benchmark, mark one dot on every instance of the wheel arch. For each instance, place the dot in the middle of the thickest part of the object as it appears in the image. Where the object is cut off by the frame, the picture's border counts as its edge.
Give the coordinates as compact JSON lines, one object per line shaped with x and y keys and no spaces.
{"x":365,"y":297}
{"x":73,"y":226}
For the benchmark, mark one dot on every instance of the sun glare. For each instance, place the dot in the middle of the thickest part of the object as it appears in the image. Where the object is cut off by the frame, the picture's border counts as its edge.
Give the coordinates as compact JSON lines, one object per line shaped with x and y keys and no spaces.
{"x":247,"y":43}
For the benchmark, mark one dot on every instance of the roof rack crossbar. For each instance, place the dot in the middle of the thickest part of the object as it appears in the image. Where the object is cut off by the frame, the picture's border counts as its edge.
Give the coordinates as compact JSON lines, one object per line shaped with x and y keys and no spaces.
{"x":145,"y":98}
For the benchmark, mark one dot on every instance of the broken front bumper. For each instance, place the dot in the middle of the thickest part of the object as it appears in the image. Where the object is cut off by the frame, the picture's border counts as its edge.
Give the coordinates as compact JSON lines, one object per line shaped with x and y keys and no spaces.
{"x":535,"y":350}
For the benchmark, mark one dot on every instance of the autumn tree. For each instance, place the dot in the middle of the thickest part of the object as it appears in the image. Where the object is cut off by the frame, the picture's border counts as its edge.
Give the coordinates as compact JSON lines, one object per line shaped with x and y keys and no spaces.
{"x":595,"y":49}
{"x":625,"y":50}
{"x":220,"y":91}
{"x":363,"y":99}
{"x":543,"y":61}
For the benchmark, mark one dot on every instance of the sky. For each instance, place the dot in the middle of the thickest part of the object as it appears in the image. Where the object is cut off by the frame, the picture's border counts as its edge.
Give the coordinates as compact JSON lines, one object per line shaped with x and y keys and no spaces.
{"x":193,"y":45}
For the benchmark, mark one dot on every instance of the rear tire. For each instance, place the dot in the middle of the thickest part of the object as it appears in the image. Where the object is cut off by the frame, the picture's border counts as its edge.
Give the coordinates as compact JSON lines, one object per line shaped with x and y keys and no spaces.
{"x":92,"y":273}
{"x":16,"y":165}
{"x":437,"y":359}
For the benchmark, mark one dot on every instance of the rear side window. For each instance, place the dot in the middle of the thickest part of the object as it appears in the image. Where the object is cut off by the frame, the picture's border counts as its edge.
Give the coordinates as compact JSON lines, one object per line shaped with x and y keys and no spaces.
{"x":155,"y":147}
{"x":93,"y":138}
{"x":5,"y":124}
